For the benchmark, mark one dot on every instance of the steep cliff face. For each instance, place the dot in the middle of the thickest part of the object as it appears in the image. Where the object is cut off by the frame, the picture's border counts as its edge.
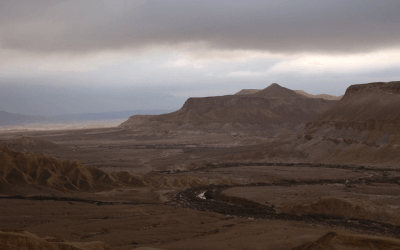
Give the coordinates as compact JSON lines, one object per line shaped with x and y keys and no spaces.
{"x":365,"y":107}
{"x":362,"y":128}
{"x":272,"y":105}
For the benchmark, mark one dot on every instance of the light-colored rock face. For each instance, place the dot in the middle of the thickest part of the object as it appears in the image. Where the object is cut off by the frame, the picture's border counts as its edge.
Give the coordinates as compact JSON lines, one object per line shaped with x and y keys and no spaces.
{"x":248,"y":91}
{"x":323,"y":96}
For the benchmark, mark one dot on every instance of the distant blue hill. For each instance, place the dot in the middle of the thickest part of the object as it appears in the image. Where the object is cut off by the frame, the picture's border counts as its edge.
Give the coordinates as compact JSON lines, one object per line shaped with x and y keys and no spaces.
{"x":11,"y":119}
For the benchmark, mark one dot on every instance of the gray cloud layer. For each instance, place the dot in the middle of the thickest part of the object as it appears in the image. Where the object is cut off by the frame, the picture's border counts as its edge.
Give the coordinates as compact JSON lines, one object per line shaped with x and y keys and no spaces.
{"x":278,"y":26}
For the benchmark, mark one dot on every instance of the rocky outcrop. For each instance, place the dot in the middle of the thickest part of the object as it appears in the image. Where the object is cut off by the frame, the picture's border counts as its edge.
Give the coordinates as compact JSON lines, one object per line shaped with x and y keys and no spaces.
{"x":18,"y":168}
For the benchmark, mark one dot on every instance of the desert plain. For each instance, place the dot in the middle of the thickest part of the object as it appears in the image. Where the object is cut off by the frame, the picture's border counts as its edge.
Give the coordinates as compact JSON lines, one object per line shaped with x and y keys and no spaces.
{"x":262,"y":169}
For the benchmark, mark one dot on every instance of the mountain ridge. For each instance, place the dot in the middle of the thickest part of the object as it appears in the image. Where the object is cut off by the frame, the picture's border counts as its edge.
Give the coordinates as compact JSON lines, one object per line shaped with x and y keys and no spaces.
{"x":372,"y":106}
{"x":273,"y":105}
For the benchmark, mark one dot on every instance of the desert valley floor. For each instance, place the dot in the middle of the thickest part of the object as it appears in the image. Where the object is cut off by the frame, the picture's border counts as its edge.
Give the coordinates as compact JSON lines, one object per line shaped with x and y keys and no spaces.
{"x":152,"y":187}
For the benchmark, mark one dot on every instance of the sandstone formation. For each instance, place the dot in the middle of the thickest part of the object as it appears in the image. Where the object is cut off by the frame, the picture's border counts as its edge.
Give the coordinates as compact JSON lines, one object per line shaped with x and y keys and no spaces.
{"x":272,"y":105}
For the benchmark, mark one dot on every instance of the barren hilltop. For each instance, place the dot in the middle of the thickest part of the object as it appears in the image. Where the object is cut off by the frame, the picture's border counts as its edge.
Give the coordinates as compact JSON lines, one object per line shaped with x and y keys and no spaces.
{"x":300,"y":92}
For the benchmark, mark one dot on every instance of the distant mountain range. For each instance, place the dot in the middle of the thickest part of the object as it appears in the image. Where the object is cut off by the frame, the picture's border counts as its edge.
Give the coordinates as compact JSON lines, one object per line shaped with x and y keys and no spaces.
{"x":11,"y":119}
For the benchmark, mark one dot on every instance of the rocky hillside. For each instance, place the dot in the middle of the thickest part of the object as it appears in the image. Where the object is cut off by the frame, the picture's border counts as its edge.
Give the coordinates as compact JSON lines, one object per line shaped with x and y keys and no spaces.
{"x":272,"y":105}
{"x":18,"y":169}
{"x":363,"y":128}
{"x":365,"y":107}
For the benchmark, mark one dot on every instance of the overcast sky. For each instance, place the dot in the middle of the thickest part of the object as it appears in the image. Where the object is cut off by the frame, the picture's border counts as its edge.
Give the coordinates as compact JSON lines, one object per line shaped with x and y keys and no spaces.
{"x":109,"y":55}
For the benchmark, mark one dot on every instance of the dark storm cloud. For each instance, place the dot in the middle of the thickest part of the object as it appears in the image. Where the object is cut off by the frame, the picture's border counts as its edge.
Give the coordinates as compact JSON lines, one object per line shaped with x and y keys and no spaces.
{"x":277,"y":26}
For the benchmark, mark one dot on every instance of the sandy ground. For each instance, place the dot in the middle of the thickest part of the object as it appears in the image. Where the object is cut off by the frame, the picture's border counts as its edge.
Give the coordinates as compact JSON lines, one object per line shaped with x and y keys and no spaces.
{"x":160,"y":226}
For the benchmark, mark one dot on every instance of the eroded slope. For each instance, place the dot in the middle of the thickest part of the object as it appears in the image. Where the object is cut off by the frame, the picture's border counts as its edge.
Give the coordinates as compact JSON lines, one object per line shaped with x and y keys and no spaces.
{"x":18,"y":168}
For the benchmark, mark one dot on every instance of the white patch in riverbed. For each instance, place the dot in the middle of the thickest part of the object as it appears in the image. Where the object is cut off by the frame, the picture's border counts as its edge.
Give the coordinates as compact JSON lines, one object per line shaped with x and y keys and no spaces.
{"x":201,"y":196}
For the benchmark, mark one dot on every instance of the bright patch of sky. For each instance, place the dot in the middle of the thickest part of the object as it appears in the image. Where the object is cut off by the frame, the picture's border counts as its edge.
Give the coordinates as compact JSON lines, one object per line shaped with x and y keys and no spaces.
{"x":181,"y":49}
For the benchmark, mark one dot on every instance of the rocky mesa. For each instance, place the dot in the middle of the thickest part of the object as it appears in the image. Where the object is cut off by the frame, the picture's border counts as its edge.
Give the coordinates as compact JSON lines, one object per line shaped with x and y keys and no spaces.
{"x":364,"y":127}
{"x":272,"y":105}
{"x":371,"y":106}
